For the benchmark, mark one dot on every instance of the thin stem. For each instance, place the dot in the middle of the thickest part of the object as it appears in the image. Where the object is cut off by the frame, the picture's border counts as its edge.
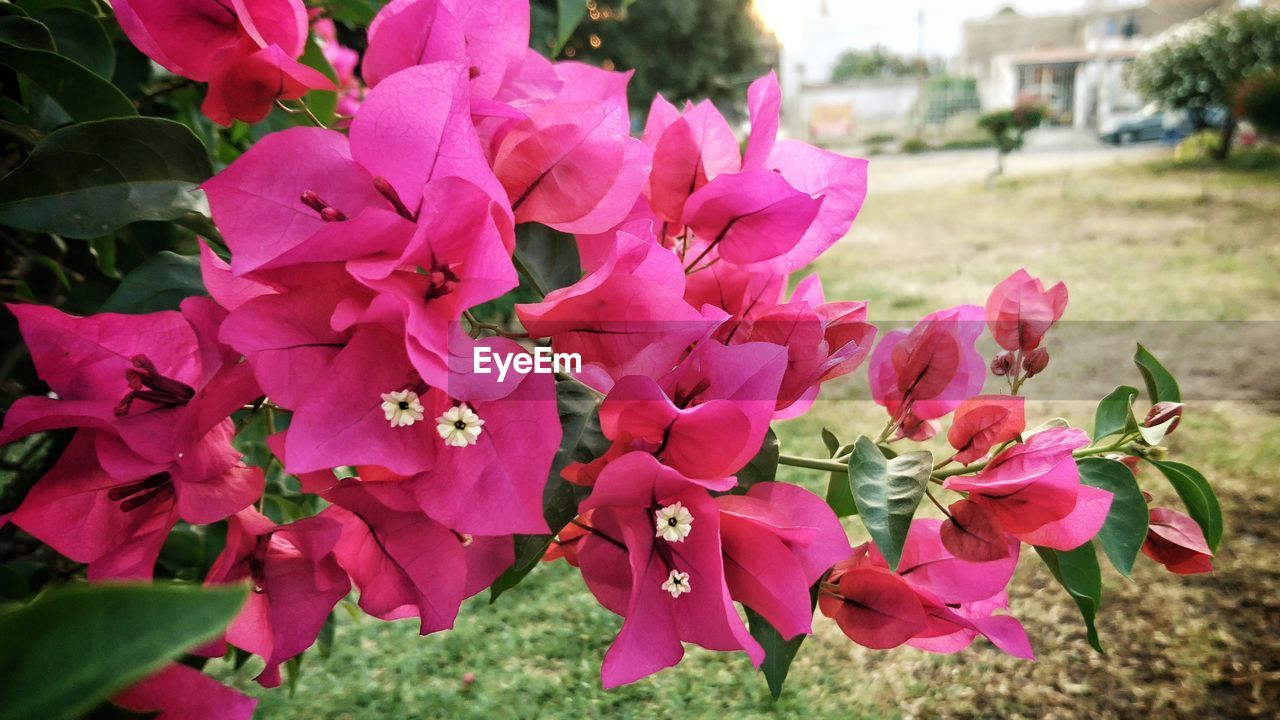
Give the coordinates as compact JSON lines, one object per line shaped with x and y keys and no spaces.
{"x":303,"y":109}
{"x":935,"y":502}
{"x":476,"y":324}
{"x":812,"y":463}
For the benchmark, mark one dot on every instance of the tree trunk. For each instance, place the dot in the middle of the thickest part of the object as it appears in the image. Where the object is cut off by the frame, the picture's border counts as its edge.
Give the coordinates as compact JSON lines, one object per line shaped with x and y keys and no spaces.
{"x":1226,"y":138}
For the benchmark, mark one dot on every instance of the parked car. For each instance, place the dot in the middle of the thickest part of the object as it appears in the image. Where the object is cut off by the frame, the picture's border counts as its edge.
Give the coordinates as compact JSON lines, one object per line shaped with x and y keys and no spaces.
{"x":1152,"y":123}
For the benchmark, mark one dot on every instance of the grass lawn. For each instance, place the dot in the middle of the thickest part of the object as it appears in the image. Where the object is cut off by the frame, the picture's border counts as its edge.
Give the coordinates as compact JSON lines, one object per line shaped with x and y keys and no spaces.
{"x":1134,"y":244}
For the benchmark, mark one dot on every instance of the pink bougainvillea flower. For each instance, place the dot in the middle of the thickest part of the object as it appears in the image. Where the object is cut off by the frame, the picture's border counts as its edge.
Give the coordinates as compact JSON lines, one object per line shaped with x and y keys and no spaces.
{"x":778,"y":539}
{"x":627,"y":317}
{"x":667,"y":591}
{"x":245,"y":49}
{"x":743,"y":294}
{"x":936,"y":602}
{"x":404,"y":563}
{"x":707,"y":418}
{"x":689,"y":150}
{"x":1032,"y":491}
{"x":930,"y":369}
{"x":571,"y":164}
{"x":344,"y":199}
{"x":152,"y":395}
{"x":1177,"y":542}
{"x":179,"y":692}
{"x":984,"y":421}
{"x":750,"y":216}
{"x":296,"y":582}
{"x":1020,"y":311}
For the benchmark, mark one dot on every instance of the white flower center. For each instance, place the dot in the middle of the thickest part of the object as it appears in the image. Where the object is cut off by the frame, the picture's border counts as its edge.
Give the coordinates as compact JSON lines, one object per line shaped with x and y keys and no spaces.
{"x":673,"y":522}
{"x":402,"y":408}
{"x":459,"y":426}
{"x":677,"y":583}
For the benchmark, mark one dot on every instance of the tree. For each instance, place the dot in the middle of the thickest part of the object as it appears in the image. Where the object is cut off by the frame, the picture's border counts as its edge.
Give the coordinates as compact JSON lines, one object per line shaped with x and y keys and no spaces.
{"x":683,"y":50}
{"x":1204,"y":64}
{"x":879,"y":61}
{"x":1008,"y":128}
{"x":1259,"y":101}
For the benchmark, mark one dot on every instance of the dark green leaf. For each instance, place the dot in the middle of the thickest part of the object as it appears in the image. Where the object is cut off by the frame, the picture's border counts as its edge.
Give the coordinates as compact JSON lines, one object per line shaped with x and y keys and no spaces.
{"x":548,"y":259}
{"x":569,"y":14}
{"x":1125,"y":528}
{"x":778,"y":652}
{"x":1198,"y":496}
{"x":62,"y":654}
{"x":323,"y":103}
{"x":77,"y":90}
{"x":1115,"y":413}
{"x":160,"y":283}
{"x":1079,"y":572}
{"x":839,"y":491}
{"x":356,"y":13}
{"x":81,"y":37}
{"x":27,"y":33}
{"x":1161,"y":387}
{"x":887,"y":493}
{"x":88,"y":180}
{"x":762,"y":468}
{"x":831,"y":442}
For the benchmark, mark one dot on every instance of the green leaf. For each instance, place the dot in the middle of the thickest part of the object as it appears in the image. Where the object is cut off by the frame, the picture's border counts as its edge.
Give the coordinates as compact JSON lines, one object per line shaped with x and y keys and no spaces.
{"x":778,"y":652}
{"x":831,"y":442}
{"x":569,"y":14}
{"x":65,"y":652}
{"x":160,"y":283}
{"x":88,"y":180}
{"x":1115,"y":413}
{"x":887,"y":493}
{"x":1079,"y":572}
{"x":80,"y":37}
{"x":356,"y":13}
{"x":1161,"y":387}
{"x":548,"y":259}
{"x":839,"y":491}
{"x":1125,"y":528}
{"x":77,"y":90}
{"x":1197,"y":495}
{"x":762,"y":468}
{"x":580,"y":441}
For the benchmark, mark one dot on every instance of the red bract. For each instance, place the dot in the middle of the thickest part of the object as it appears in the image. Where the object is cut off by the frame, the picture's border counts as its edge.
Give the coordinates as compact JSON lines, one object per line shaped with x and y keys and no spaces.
{"x":151,"y":395}
{"x":245,"y":49}
{"x":1177,"y":542}
{"x":936,"y":601}
{"x":929,"y":370}
{"x":984,"y":421}
{"x":179,"y":692}
{"x":296,"y":582}
{"x":1032,"y":491}
{"x":1020,"y":311}
{"x":689,"y":149}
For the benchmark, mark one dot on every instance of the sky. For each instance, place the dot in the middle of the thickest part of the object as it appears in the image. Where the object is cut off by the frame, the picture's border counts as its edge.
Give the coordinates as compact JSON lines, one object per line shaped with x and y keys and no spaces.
{"x":863,"y":23}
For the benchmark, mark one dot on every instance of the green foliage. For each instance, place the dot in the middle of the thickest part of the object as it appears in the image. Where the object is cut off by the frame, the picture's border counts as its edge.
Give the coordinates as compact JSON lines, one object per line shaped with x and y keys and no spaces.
{"x":946,"y":96}
{"x":761,"y":468}
{"x":1078,"y":571}
{"x":161,"y":283}
{"x":1161,"y":386}
{"x":70,"y":649}
{"x":684,"y":50}
{"x":1008,"y":128}
{"x":878,"y":62}
{"x":1125,"y":528}
{"x":1115,"y":413}
{"x":915,"y":146}
{"x":91,"y":179}
{"x":546,"y":258}
{"x":1198,"y":497}
{"x":887,"y":492}
{"x":778,"y":651}
{"x":1259,"y":101}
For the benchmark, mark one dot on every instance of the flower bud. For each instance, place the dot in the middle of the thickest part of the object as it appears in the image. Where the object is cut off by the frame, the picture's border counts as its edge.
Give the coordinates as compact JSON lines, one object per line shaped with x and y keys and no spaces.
{"x":1034,"y":362}
{"x":1162,"y":413}
{"x":1002,"y":364}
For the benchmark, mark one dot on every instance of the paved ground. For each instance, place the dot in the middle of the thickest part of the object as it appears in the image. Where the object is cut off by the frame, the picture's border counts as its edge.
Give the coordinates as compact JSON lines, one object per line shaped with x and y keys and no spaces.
{"x":1047,"y":151}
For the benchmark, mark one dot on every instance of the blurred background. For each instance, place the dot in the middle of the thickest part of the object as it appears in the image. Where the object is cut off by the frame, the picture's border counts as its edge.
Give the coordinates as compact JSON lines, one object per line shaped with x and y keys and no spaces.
{"x":1125,"y":147}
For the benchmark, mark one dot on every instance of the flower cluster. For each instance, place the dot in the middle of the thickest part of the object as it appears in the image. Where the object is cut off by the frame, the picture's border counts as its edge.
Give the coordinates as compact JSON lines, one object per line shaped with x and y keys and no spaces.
{"x":344,"y":314}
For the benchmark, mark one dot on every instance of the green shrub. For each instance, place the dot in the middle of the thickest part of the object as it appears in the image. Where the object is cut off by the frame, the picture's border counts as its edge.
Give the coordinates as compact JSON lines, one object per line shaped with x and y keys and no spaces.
{"x":914,"y":146}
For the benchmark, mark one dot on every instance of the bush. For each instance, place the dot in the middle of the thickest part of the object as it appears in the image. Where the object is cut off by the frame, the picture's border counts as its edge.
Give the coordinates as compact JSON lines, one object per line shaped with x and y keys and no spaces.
{"x":915,"y":146}
{"x":1259,"y":101}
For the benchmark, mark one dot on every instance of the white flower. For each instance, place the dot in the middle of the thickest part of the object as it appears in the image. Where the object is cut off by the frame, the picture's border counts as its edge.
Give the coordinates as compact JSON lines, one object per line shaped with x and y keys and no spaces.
{"x":677,"y":583}
{"x":459,"y":426}
{"x":674,"y":522}
{"x":402,"y":407}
